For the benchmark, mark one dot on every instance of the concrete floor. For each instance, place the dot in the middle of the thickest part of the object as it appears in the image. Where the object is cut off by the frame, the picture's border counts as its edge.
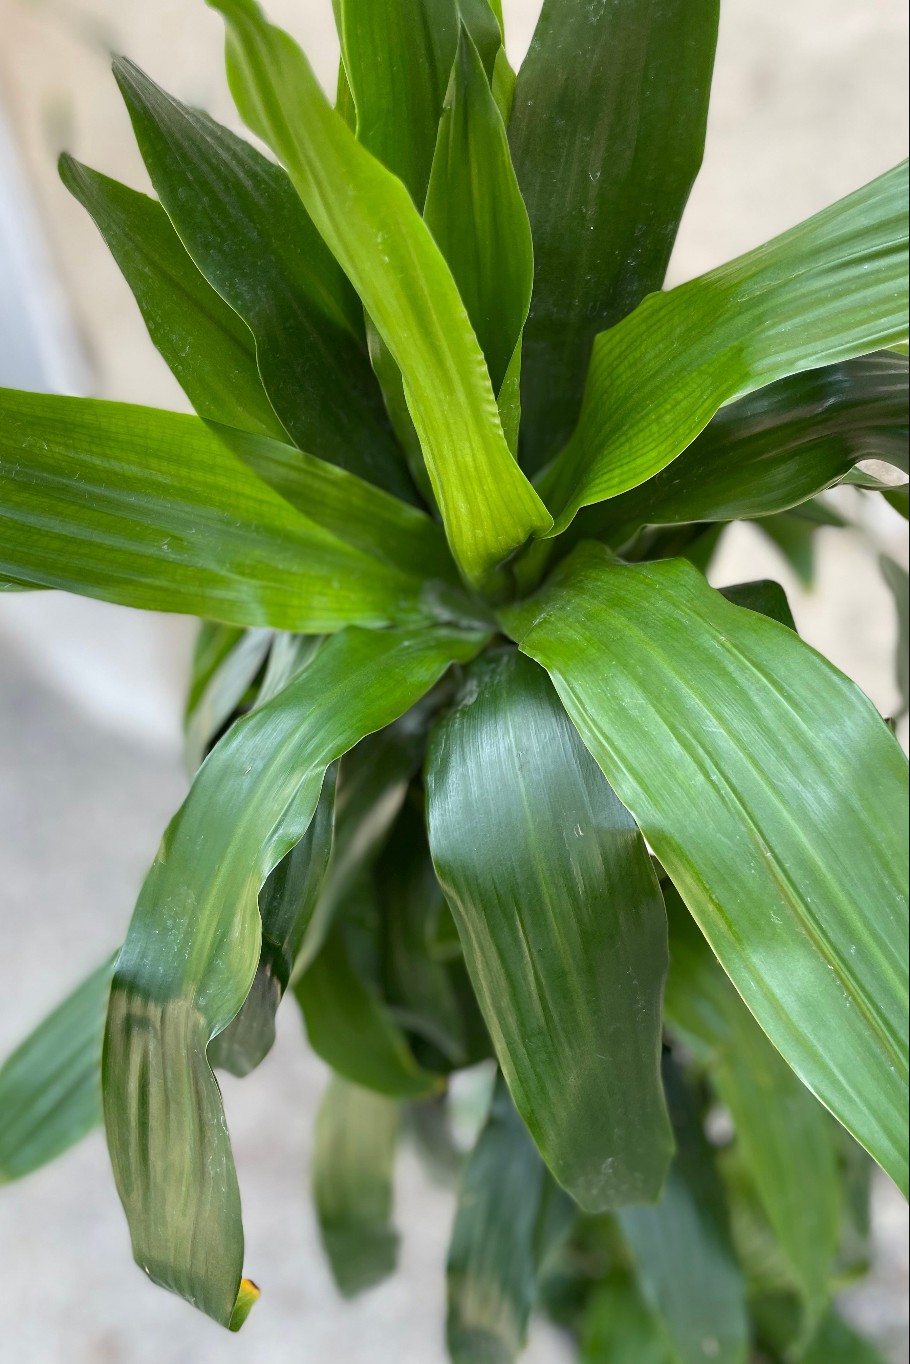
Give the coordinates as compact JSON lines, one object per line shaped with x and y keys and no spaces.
{"x":809,"y":103}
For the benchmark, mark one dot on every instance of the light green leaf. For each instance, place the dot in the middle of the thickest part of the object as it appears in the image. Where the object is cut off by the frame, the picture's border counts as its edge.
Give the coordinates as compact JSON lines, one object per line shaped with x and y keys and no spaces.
{"x":786,"y":1139}
{"x":373,"y":229}
{"x":243,"y":225}
{"x":770,"y":451}
{"x":830,"y":289}
{"x":152,"y":509}
{"x":209,"y":349}
{"x":397,"y":57}
{"x":493,"y":1253}
{"x":684,"y":1259}
{"x":607,"y":130}
{"x":223,"y":693}
{"x":476,"y":214}
{"x":619,"y":1329}
{"x":194,"y":941}
{"x":353,"y":1169}
{"x":562,"y":926}
{"x":50,"y":1089}
{"x":712,"y":724}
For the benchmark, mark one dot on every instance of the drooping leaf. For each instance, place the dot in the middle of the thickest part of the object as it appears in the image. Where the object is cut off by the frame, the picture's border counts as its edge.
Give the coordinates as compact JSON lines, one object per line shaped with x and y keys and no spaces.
{"x":397,"y":57}
{"x":713,"y":724}
{"x":899,"y":584}
{"x":209,"y":349}
{"x":243,"y":225}
{"x":152,"y":509}
{"x":786,"y":1139}
{"x":562,"y":926}
{"x":607,"y":130}
{"x":684,"y":1259}
{"x":286,"y":904}
{"x":194,"y":941}
{"x":832,"y":288}
{"x":492,"y":1263}
{"x":618,"y":1328}
{"x":353,"y":1168}
{"x":476,"y":214}
{"x":373,"y":229}
{"x":770,"y":451}
{"x":222,"y":694}
{"x":50,"y":1086}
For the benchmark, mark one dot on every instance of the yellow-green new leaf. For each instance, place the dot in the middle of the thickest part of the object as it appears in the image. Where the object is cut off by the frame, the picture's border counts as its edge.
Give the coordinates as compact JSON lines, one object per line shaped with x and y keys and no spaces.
{"x":194,"y":942}
{"x":774,"y":796}
{"x":832,"y":288}
{"x":369,"y":221}
{"x":563,"y":929}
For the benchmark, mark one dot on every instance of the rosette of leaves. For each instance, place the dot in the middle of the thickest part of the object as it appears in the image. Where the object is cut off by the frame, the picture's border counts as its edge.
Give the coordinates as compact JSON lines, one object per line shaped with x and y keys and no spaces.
{"x":468,"y":719}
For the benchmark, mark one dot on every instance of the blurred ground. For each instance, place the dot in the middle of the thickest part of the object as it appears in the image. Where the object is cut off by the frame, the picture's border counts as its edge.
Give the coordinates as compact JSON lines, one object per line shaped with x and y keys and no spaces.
{"x":809,"y":103}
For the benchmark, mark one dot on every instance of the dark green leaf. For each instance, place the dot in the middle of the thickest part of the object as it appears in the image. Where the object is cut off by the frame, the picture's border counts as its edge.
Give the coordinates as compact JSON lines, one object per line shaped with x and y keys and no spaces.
{"x":371,"y":225}
{"x":830,"y":289}
{"x":207,"y":346}
{"x":713,"y":724}
{"x":194,"y":941}
{"x":838,"y":1343}
{"x":397,"y":57}
{"x":353,"y":1168}
{"x":765,"y":596}
{"x":152,"y":509}
{"x":475,"y":212}
{"x":50,"y":1090}
{"x":607,"y":129}
{"x":240,"y":220}
{"x":771,"y":450}
{"x":898,"y":499}
{"x":794,"y":537}
{"x":619,"y":1329}
{"x":493,"y":1259}
{"x":562,"y":925}
{"x":683,"y":1255}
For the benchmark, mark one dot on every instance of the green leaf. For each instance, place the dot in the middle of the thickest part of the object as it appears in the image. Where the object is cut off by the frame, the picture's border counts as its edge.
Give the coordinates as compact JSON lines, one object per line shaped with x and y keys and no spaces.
{"x":476,"y":214}
{"x":770,"y":451}
{"x":286,"y":904}
{"x":794,"y":538}
{"x":50,"y":1091}
{"x":209,"y":349}
{"x":684,"y":1259}
{"x":765,"y":596}
{"x":712,"y":724}
{"x":493,"y":1253}
{"x":373,"y":229}
{"x":243,"y":225}
{"x":194,"y":941}
{"x":899,"y":585}
{"x":397,"y":57}
{"x":830,"y":289}
{"x":898,"y":499}
{"x":786,"y":1139}
{"x":152,"y":509}
{"x":222,"y":694}
{"x":838,"y":1343}
{"x":607,"y":130}
{"x":619,"y":1329}
{"x":562,"y":926}
{"x":353,"y":1168}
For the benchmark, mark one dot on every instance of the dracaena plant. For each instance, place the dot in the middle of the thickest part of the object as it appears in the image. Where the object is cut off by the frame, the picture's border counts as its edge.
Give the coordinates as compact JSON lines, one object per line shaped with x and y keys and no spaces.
{"x":487,"y":772}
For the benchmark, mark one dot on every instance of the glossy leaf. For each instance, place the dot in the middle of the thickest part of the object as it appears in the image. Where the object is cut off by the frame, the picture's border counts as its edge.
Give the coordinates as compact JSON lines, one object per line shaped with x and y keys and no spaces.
{"x":830,"y":289}
{"x":492,"y":1262}
{"x":50,"y":1088}
{"x":786,"y":1139}
{"x":287,"y":901}
{"x":619,"y":1328}
{"x":353,"y":1167}
{"x":562,"y":926}
{"x":684,"y":1259}
{"x":350,"y":1026}
{"x":243,"y":225}
{"x":373,"y":229}
{"x":151,"y":509}
{"x":712,"y":724}
{"x":607,"y":130}
{"x":397,"y":57}
{"x":208,"y":348}
{"x":194,"y":941}
{"x":475,"y":212}
{"x":771,"y":450}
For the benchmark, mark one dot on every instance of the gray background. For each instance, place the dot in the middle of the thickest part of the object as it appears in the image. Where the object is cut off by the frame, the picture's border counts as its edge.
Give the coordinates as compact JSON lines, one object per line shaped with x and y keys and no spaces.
{"x":809,"y":102}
